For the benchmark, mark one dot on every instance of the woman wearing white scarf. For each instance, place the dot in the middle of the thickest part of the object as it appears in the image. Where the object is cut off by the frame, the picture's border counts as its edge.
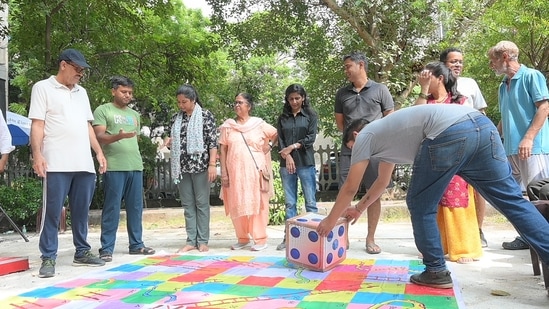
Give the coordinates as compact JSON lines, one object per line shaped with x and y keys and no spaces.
{"x":193,"y":164}
{"x":245,"y":202}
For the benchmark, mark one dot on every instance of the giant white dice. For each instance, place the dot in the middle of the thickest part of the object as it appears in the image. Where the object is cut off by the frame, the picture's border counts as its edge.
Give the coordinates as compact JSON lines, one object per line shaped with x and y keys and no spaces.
{"x":304,"y":247}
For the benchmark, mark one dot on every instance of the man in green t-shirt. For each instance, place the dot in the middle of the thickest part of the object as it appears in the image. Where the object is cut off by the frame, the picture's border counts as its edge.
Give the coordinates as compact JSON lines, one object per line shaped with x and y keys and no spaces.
{"x":116,"y":126}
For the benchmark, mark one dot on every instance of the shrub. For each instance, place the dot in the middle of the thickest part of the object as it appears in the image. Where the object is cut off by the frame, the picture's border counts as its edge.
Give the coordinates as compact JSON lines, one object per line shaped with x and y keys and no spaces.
{"x":22,"y":199}
{"x":277,"y":209}
{"x":277,"y":214}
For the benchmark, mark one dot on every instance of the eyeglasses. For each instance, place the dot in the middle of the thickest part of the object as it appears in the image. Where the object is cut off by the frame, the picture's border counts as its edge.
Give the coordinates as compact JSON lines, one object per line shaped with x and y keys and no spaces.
{"x":239,"y":103}
{"x":455,"y":62}
{"x":78,"y":69}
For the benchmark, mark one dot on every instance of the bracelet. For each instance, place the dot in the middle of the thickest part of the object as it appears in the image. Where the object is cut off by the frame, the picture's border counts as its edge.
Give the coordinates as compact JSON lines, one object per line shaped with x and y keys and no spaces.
{"x":423,"y":96}
{"x":295,"y":147}
{"x":212,"y":164}
{"x":356,"y":207}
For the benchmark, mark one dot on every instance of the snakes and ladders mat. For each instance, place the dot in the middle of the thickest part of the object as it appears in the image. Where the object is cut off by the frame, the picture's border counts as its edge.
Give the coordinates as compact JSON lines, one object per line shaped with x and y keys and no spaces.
{"x":189,"y":281}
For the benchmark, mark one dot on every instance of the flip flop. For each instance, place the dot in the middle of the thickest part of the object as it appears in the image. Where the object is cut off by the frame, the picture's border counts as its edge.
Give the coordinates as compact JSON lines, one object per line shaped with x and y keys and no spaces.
{"x":105,"y":256}
{"x":143,"y":251}
{"x":373,"y":248}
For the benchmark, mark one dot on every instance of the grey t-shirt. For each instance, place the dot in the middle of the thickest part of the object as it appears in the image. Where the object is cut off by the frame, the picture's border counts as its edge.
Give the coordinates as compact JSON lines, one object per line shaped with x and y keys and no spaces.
{"x":396,"y":137}
{"x":369,"y":103}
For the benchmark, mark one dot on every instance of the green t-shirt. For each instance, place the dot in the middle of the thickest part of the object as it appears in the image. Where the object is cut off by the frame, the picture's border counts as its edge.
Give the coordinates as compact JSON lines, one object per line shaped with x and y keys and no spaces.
{"x":122,"y":155}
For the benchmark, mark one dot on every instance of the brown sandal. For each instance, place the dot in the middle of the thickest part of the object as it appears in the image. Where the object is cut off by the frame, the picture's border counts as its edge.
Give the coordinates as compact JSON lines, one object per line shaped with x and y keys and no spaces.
{"x":143,"y":251}
{"x":107,"y":257}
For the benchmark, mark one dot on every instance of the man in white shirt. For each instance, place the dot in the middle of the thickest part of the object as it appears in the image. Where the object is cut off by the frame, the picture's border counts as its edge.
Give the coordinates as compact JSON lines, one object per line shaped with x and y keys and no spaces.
{"x":61,"y":138}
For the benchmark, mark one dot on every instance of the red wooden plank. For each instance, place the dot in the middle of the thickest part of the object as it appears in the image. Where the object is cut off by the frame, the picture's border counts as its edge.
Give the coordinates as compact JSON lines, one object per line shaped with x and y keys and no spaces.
{"x":10,"y":265}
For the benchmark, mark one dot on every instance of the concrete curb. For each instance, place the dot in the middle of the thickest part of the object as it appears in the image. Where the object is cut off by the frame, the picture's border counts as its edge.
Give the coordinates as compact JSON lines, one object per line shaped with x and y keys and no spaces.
{"x":390,"y":211}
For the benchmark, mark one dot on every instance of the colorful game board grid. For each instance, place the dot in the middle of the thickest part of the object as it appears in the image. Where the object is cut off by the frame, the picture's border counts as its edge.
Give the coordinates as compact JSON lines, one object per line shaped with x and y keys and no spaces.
{"x":187,"y":281}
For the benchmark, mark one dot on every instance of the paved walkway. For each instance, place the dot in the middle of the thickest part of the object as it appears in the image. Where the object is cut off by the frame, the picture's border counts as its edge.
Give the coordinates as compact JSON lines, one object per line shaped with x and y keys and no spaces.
{"x":499,"y":269}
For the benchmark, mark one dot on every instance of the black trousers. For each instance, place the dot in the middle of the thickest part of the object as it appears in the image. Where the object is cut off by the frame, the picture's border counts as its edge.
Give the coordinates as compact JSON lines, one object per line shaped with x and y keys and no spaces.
{"x":538,"y":190}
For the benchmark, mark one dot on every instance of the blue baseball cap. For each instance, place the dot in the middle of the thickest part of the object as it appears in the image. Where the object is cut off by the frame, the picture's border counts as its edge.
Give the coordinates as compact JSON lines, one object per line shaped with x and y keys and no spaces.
{"x":73,"y":56}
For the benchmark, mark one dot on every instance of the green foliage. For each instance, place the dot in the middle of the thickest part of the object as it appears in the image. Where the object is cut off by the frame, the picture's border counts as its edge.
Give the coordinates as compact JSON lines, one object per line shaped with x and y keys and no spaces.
{"x":277,"y":210}
{"x":264,"y":77}
{"x":158,"y":44}
{"x":149,"y":152}
{"x":277,"y":214}
{"x":527,"y":26}
{"x":18,"y":109}
{"x":399,"y":37}
{"x":20,"y":159}
{"x":22,"y":200}
{"x":278,"y":198}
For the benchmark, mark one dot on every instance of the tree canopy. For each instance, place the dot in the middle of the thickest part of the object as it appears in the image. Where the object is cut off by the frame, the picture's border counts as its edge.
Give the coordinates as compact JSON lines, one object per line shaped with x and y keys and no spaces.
{"x":527,"y":27}
{"x":261,"y":46}
{"x":158,"y":44}
{"x":398,"y":37}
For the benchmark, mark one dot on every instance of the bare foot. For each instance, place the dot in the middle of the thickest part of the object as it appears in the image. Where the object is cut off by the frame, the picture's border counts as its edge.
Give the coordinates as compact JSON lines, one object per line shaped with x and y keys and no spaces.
{"x":186,"y":249}
{"x":203,"y":248}
{"x":465,"y":260}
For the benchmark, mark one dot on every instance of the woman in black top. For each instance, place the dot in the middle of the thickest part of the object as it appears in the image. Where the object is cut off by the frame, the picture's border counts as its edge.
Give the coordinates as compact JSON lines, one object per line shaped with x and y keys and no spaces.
{"x":297,"y":127}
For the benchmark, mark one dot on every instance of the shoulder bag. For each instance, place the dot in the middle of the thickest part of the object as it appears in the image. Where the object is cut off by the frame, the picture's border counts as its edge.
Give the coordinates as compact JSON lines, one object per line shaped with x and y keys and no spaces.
{"x":264,"y":176}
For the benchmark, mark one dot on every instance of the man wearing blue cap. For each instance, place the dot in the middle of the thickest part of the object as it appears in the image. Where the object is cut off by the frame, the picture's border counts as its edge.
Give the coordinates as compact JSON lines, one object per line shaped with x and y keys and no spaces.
{"x":61,"y":138}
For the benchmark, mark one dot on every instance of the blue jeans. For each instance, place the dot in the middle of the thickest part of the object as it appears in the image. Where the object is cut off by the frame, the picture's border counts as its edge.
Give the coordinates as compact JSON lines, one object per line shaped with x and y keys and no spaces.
{"x":307,"y":177}
{"x":471,"y":149}
{"x":79,"y":187}
{"x":118,"y":186}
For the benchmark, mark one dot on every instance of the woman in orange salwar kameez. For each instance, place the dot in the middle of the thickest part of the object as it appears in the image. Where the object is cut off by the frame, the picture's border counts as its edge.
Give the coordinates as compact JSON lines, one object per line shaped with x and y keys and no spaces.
{"x":456,"y":218}
{"x":245,"y":202}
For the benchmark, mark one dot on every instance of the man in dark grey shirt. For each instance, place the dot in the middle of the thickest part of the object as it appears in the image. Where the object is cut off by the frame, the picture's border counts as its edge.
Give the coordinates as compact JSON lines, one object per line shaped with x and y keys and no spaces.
{"x":361,"y":99}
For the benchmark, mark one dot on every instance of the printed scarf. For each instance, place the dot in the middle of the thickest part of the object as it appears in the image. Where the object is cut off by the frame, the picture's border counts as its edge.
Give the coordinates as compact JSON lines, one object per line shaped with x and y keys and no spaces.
{"x":195,"y":140}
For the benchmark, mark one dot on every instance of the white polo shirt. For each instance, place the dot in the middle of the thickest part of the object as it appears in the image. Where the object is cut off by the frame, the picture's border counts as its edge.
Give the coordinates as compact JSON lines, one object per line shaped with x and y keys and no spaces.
{"x":67,"y":113}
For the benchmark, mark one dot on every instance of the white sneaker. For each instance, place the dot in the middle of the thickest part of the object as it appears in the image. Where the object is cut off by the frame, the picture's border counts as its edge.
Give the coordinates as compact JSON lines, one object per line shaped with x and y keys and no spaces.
{"x":259,"y":247}
{"x":240,"y":245}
